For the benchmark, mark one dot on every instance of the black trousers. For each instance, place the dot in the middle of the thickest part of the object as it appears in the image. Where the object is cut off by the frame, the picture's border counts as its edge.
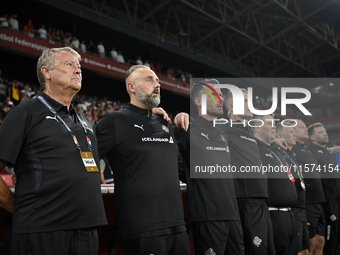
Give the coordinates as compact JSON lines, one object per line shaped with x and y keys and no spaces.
{"x":316,"y":219}
{"x":66,"y":242}
{"x":332,"y":215}
{"x":257,"y":227}
{"x":218,"y":237}
{"x":285,"y":232}
{"x":172,"y":244}
{"x":302,"y":228}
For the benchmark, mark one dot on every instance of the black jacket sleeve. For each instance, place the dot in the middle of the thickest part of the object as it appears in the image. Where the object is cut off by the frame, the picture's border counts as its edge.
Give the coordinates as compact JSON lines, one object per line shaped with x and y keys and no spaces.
{"x":183,"y":143}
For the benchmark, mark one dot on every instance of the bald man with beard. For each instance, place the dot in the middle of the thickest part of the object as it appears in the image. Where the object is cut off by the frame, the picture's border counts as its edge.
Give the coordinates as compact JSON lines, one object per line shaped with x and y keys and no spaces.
{"x":143,"y":155}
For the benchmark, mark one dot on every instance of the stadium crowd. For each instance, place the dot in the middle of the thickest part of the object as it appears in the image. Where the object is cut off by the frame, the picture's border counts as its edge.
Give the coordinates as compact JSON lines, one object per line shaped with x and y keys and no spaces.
{"x":86,"y":45}
{"x":58,"y":36}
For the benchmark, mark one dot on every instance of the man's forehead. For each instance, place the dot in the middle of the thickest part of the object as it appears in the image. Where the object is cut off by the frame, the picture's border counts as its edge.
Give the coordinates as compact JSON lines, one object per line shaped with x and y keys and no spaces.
{"x":320,"y":129}
{"x":67,"y":56}
{"x":300,"y":123}
{"x":144,"y":72}
{"x":289,"y":129}
{"x":268,"y":117}
{"x":213,"y":85}
{"x":149,"y":73}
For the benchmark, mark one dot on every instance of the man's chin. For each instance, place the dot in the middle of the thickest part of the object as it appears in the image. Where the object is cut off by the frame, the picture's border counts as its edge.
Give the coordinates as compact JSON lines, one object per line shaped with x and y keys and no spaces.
{"x":323,"y":143}
{"x":76,"y":88}
{"x":216,"y":114}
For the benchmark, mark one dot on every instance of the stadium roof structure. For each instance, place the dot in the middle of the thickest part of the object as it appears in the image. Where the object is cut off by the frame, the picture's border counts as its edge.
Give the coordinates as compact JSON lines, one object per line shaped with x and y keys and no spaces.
{"x":249,"y":38}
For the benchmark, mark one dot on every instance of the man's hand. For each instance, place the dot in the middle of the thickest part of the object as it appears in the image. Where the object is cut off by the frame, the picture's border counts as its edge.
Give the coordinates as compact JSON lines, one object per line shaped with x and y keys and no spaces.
{"x":281,"y":142}
{"x":6,"y":195}
{"x":182,"y":121}
{"x":335,"y":149}
{"x":14,"y":179}
{"x":160,"y":111}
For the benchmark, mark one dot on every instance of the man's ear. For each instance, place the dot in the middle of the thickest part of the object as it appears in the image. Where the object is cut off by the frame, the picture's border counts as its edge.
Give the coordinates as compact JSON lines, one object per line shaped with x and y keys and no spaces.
{"x":230,"y":107}
{"x":46,"y":72}
{"x":198,"y":102}
{"x":312,"y":138}
{"x":131,"y":87}
{"x":257,"y":128}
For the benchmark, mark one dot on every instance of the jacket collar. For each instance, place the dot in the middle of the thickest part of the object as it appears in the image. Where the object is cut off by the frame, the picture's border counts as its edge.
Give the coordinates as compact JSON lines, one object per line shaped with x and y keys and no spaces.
{"x":139,"y":110}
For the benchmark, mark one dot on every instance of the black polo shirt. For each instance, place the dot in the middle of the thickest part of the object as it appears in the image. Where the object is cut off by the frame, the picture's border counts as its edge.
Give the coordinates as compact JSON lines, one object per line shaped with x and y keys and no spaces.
{"x":282,"y":192}
{"x":294,"y":165}
{"x":143,"y":155}
{"x":53,"y":190}
{"x":314,"y":191}
{"x":329,"y":171}
{"x":203,"y":146}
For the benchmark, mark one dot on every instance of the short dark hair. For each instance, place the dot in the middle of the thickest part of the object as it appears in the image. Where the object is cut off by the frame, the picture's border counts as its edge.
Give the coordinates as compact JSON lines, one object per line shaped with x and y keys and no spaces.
{"x":311,"y":128}
{"x":198,"y":86}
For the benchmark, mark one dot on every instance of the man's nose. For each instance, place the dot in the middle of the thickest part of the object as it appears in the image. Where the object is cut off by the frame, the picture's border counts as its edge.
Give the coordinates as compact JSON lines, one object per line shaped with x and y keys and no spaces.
{"x":77,"y":70}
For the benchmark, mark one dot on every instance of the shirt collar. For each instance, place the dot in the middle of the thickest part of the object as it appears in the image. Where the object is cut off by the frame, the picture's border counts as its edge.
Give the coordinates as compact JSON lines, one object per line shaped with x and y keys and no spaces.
{"x":56,"y":105}
{"x":139,"y":110}
{"x":298,"y":144}
{"x":317,"y":146}
{"x":204,"y":121}
{"x":259,"y":142}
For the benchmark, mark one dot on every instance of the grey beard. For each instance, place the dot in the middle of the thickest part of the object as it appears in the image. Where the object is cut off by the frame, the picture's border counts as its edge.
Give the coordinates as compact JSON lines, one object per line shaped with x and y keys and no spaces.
{"x":149,"y":100}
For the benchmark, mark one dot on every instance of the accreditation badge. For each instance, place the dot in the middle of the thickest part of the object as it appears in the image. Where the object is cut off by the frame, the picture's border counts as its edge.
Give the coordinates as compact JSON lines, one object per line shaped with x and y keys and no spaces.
{"x":290,"y":176}
{"x":89,"y":162}
{"x":302,"y":181}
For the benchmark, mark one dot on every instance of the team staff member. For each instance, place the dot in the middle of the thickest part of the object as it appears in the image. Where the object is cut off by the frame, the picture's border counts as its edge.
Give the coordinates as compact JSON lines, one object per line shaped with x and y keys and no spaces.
{"x":58,"y":200}
{"x":314,"y":192}
{"x":251,"y":193}
{"x":213,"y":211}
{"x":281,"y":188}
{"x":143,"y":155}
{"x":251,"y":188}
{"x":330,"y":182}
{"x":299,"y":210}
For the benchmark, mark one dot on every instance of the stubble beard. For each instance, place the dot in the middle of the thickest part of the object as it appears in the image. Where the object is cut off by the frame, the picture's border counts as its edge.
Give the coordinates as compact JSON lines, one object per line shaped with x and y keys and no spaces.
{"x":149,"y":100}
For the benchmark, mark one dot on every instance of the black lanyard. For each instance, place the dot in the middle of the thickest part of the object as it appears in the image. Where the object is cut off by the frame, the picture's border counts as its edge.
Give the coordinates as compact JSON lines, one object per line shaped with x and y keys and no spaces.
{"x":67,"y":127}
{"x":295,"y":165}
